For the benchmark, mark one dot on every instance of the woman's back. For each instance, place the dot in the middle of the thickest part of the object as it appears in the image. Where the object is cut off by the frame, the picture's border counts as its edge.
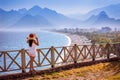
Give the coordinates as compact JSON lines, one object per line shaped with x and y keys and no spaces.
{"x":32,"y":49}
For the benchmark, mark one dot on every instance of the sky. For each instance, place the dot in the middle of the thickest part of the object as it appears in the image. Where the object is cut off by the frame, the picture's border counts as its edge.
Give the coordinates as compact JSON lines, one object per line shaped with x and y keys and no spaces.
{"x":66,"y":7}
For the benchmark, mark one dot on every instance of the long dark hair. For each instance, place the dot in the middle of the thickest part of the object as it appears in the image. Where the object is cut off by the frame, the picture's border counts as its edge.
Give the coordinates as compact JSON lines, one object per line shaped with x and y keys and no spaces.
{"x":30,"y":43}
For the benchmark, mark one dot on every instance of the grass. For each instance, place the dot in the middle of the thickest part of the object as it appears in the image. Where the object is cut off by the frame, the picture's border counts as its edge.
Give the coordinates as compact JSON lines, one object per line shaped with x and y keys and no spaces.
{"x":115,"y":77}
{"x":101,"y":71}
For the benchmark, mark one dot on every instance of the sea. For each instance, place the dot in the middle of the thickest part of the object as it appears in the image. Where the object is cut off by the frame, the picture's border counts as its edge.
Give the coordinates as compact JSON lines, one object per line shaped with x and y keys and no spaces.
{"x":14,"y":40}
{"x":10,"y":40}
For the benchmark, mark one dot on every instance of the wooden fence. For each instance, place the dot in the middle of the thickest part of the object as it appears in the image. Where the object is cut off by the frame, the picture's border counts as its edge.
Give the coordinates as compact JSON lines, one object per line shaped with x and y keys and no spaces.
{"x":56,"y":56}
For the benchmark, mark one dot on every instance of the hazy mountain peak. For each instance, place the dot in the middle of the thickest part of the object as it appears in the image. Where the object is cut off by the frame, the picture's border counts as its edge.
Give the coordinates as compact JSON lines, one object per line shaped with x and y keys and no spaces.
{"x":35,"y":10}
{"x":33,"y":17}
{"x":112,"y":10}
{"x":12,"y":10}
{"x":23,"y":10}
{"x":102,"y":14}
{"x":36,"y":7}
{"x":49,"y":11}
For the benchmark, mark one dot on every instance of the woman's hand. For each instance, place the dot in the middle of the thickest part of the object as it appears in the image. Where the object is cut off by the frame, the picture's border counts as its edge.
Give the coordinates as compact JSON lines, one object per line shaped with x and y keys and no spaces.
{"x":36,"y":38}
{"x":36,"y":41}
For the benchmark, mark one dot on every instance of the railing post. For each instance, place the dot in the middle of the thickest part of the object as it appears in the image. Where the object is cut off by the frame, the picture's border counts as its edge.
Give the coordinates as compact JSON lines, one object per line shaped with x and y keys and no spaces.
{"x":52,"y":57}
{"x":85,"y":51}
{"x":5,"y":61}
{"x":93,"y":46}
{"x":117,"y":50}
{"x":38,"y":51}
{"x":102,"y":52}
{"x":65,"y":55}
{"x":23,"y":60}
{"x":108,"y":50}
{"x":75,"y":53}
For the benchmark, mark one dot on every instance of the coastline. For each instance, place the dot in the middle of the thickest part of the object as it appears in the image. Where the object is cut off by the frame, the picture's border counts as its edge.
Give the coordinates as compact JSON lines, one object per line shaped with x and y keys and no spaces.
{"x":69,"y":40}
{"x":76,"y":39}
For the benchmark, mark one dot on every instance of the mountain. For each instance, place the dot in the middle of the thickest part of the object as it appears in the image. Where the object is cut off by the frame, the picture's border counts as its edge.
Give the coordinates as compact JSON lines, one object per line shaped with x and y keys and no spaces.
{"x":22,"y":11}
{"x":35,"y":10}
{"x":8,"y":18}
{"x":32,"y":21}
{"x":112,"y":11}
{"x":101,"y":20}
{"x":51,"y":15}
{"x":33,"y":17}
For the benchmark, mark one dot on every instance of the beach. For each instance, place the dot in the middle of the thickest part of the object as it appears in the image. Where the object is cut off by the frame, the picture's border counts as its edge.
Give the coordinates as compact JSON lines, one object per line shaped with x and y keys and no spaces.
{"x":77,"y":39}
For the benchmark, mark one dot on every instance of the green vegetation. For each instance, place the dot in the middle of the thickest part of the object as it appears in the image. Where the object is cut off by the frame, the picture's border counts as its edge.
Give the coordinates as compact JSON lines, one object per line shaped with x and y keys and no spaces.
{"x":98,"y":36}
{"x":111,"y":37}
{"x":104,"y":37}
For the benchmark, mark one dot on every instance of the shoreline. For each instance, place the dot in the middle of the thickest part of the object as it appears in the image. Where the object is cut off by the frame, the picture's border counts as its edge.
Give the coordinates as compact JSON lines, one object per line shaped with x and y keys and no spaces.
{"x":69,"y":40}
{"x":76,"y":39}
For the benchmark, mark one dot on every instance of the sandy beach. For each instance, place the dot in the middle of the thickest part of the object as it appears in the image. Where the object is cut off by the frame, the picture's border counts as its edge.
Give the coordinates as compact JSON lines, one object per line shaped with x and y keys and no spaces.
{"x":77,"y":39}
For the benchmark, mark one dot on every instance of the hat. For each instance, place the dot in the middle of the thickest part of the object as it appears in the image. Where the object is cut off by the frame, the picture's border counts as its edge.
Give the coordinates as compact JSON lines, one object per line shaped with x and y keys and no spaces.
{"x":31,"y":36}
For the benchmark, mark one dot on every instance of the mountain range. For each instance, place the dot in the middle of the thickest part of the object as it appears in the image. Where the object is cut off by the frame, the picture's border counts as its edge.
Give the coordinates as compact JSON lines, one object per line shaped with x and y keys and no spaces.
{"x":37,"y":17}
{"x":112,"y":10}
{"x":101,"y":20}
{"x":101,"y":17}
{"x":34,"y":17}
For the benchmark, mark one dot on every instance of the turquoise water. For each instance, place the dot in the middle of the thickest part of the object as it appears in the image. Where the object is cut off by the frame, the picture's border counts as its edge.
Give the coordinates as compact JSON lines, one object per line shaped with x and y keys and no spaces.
{"x":17,"y":40}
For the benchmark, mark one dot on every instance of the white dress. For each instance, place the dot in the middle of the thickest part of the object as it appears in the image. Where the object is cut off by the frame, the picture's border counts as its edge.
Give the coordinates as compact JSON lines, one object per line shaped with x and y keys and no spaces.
{"x":32,"y":50}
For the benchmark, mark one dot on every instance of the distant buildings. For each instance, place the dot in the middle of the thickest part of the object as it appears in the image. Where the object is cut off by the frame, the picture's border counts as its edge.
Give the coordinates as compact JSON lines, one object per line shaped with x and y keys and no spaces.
{"x":78,"y":30}
{"x":89,"y":30}
{"x":105,"y":30}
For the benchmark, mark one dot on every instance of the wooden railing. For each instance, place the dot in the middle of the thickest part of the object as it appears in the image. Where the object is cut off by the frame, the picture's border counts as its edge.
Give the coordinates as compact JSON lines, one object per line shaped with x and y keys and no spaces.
{"x":56,"y":56}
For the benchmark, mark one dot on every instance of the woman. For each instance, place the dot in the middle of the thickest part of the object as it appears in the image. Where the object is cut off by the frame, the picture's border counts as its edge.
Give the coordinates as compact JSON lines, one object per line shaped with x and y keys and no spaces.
{"x":32,"y":40}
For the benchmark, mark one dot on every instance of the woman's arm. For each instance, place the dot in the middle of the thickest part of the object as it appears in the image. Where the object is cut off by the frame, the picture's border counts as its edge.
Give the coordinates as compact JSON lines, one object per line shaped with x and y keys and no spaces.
{"x":27,"y":41}
{"x":36,"y":42}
